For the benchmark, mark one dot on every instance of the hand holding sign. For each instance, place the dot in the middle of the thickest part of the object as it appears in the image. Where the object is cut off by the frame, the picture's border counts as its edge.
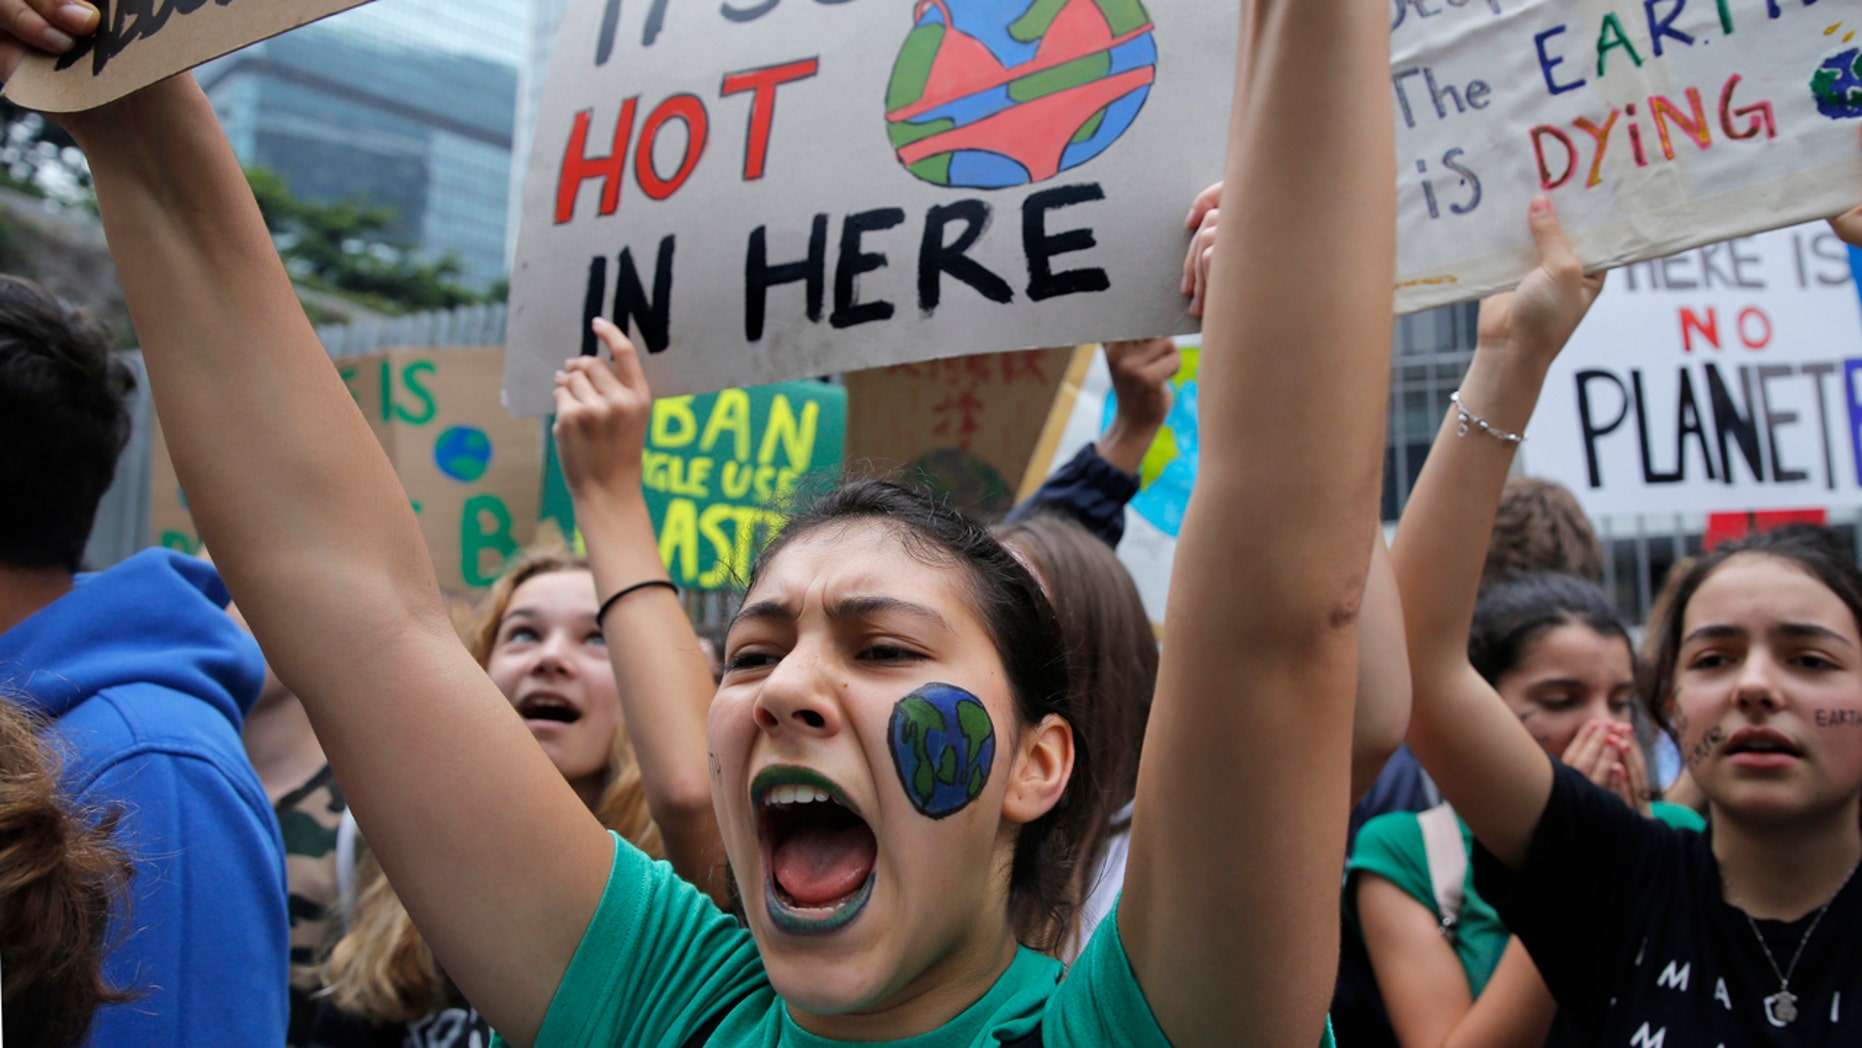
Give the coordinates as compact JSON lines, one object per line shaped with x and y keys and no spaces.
{"x":1141,"y":374}
{"x":601,"y":420}
{"x":1849,"y":226}
{"x":41,"y":26}
{"x":1203,"y":215}
{"x":69,"y":56}
{"x":1535,"y":321}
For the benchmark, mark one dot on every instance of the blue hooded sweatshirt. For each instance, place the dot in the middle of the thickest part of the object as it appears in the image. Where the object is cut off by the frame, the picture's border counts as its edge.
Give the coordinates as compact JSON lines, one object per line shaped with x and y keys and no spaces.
{"x":147,"y":680}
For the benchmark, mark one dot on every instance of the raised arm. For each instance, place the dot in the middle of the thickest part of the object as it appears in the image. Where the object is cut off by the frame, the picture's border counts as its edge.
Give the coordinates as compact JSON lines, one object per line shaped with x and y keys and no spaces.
{"x":664,"y":682}
{"x":1380,"y":714}
{"x":316,"y":540}
{"x":1380,"y":709}
{"x":1230,"y":909}
{"x":1482,"y":758}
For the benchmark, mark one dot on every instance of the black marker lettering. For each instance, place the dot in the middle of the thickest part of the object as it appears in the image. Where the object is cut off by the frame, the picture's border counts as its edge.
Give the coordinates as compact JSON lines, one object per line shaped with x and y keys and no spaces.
{"x":760,"y":276}
{"x":935,"y":257}
{"x":1041,"y":246}
{"x":848,"y":309}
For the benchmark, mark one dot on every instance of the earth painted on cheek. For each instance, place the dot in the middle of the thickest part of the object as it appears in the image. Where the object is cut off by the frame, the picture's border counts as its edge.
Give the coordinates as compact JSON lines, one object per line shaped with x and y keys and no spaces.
{"x":943,"y":744}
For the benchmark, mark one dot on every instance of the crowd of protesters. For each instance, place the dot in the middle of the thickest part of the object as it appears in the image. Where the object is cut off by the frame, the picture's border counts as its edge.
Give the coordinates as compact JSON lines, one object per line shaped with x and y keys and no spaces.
{"x":943,"y":785}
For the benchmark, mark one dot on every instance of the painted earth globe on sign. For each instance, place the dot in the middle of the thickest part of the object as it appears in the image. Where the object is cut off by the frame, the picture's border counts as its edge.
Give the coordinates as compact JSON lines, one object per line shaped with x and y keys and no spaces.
{"x":993,"y":93}
{"x":1837,"y":85}
{"x":463,"y":453}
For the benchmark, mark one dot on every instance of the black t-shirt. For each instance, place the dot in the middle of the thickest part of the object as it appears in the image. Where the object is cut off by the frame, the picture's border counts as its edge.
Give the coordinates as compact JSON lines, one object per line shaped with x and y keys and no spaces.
{"x":1625,"y":919}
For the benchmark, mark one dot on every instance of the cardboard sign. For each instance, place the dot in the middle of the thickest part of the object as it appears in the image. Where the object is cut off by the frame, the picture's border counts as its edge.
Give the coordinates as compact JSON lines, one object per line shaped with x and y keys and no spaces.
{"x":1081,"y":412}
{"x":720,"y":471}
{"x":964,"y":429}
{"x":139,"y":42}
{"x":1655,"y":125}
{"x":472,"y":472}
{"x":1725,"y":378}
{"x":771,"y":189}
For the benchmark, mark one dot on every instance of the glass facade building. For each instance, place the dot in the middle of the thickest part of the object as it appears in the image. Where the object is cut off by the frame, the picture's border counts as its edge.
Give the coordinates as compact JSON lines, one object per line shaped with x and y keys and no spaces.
{"x":405,"y":103}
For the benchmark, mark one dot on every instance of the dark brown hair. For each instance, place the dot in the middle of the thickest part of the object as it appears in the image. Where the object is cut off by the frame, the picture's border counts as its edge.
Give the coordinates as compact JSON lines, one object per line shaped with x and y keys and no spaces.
{"x":59,"y":873}
{"x":64,"y":418}
{"x":1539,"y":527}
{"x":1511,"y":616}
{"x":1021,"y":623}
{"x":1111,"y":655}
{"x":1815,"y":550}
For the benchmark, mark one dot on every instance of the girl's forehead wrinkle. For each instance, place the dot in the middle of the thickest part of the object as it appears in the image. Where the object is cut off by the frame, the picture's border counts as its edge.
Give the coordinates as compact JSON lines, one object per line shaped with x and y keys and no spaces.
{"x":868,"y":604}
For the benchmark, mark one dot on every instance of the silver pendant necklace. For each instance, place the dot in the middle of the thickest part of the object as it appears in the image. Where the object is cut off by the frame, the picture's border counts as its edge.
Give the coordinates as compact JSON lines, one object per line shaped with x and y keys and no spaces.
{"x":1781,"y":1007}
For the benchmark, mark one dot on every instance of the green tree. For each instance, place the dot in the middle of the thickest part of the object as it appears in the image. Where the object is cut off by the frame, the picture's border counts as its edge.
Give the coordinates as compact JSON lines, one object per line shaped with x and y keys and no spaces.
{"x":350,"y":247}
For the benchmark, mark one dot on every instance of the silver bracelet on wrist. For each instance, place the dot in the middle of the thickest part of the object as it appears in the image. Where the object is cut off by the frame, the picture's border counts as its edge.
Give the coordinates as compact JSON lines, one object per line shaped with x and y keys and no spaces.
{"x":1466,"y":416}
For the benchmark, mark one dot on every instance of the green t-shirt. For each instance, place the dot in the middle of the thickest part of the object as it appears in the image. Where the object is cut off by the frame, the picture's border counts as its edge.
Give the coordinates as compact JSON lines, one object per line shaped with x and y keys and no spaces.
{"x":659,"y":960}
{"x":1391,"y":847}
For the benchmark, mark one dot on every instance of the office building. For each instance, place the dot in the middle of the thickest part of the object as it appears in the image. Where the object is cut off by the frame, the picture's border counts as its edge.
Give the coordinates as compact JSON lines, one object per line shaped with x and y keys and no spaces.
{"x":404,"y":103}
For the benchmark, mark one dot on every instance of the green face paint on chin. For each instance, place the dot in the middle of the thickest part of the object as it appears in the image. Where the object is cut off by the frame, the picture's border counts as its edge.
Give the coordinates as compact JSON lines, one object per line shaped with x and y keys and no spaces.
{"x":943,"y":745}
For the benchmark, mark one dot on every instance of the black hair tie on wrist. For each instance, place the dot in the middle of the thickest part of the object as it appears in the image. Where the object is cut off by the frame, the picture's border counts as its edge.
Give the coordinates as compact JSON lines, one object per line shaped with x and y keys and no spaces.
{"x":602,"y":612}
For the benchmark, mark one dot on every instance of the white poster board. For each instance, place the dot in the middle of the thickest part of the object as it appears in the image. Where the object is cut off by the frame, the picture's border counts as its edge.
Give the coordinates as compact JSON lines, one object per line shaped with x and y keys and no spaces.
{"x":770,"y":189}
{"x":139,"y":42}
{"x":1655,"y":125}
{"x":761,"y":190}
{"x":1728,"y":378}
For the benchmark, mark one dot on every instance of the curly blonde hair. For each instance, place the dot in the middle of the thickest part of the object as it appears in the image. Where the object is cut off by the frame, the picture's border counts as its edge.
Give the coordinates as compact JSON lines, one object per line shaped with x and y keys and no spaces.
{"x":382,"y":968}
{"x":59,"y":873}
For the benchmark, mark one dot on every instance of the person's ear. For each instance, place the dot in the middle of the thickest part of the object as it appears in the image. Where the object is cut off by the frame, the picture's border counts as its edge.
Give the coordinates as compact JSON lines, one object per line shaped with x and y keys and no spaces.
{"x":1039,"y":772}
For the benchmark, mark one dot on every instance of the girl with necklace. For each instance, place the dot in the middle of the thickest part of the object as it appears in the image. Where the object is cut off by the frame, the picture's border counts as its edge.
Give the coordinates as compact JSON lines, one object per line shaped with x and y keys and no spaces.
{"x":1647,"y":934}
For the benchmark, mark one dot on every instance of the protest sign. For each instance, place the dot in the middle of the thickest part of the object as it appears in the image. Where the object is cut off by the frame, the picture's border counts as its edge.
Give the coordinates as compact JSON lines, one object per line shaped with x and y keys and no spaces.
{"x":472,"y":473}
{"x":1081,"y":412}
{"x":1655,"y":125}
{"x":963,"y":429}
{"x":775,"y":189}
{"x":139,"y":42}
{"x":719,"y":472}
{"x":886,"y":151}
{"x":1724,"y":378}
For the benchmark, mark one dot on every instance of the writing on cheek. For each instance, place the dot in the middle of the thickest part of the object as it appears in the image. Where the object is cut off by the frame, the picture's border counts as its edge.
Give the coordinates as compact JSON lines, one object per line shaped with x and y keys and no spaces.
{"x":1839,"y":718}
{"x":943,"y":744}
{"x":717,"y":770}
{"x":1707,"y":744}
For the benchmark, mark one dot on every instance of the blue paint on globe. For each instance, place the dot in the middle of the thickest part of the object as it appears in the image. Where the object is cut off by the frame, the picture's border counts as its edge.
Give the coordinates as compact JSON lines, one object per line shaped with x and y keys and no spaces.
{"x":943,"y":745}
{"x":463,"y":453}
{"x":1837,"y":85}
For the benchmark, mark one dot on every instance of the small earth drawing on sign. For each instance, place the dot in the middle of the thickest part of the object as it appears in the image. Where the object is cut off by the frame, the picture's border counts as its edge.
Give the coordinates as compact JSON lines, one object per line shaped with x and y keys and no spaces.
{"x":1837,"y":85}
{"x":463,"y":453}
{"x":987,"y":94}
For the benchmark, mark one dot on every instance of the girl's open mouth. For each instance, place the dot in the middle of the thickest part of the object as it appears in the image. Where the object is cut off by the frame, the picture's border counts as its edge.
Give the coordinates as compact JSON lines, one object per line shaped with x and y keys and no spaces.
{"x":818,"y":852}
